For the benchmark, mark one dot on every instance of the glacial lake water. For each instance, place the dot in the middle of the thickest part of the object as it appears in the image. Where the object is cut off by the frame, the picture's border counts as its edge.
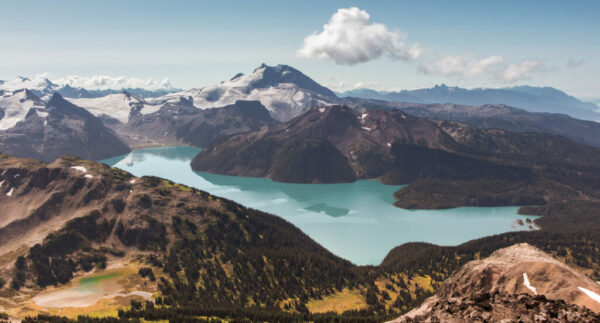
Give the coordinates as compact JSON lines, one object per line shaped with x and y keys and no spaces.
{"x":356,"y":221}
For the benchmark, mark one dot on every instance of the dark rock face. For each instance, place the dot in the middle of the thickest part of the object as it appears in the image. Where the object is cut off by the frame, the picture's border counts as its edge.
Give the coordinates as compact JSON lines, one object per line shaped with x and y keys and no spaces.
{"x":61,"y":128}
{"x":501,"y":307}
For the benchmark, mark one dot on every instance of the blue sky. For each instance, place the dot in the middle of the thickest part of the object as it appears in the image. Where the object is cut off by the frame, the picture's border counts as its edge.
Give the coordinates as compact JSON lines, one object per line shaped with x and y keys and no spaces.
{"x":196,"y":43}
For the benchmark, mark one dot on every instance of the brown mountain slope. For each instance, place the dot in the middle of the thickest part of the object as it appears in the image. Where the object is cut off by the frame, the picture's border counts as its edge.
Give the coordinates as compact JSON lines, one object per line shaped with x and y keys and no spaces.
{"x":486,"y":290}
{"x":71,"y":216}
{"x":338,"y":144}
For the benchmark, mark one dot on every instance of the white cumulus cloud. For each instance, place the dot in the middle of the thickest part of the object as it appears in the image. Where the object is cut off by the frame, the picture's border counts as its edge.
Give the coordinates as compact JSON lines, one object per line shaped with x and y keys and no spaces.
{"x":103,"y":82}
{"x":94,"y":82}
{"x":520,"y":71}
{"x":40,"y":81}
{"x":462,"y":66}
{"x":350,"y":38}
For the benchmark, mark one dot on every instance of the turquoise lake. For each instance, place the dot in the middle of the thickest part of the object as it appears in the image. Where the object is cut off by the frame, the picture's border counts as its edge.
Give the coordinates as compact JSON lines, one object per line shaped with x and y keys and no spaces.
{"x":356,"y":221}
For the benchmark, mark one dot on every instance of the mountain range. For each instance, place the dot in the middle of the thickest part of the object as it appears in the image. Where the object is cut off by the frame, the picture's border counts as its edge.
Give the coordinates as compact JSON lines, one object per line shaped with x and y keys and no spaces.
{"x":492,"y":116}
{"x":532,"y":99}
{"x":150,"y":119}
{"x":44,"y":88}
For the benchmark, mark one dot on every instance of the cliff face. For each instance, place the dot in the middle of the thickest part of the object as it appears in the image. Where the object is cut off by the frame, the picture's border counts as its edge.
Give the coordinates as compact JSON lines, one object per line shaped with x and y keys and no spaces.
{"x":516,"y":283}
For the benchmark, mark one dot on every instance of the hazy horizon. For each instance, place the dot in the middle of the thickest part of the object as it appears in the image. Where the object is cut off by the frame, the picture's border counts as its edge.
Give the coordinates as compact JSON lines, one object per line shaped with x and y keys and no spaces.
{"x":394,"y":45}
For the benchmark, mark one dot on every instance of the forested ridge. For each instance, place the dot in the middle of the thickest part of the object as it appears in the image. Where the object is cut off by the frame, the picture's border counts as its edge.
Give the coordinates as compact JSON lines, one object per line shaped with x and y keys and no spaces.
{"x":213,"y":259}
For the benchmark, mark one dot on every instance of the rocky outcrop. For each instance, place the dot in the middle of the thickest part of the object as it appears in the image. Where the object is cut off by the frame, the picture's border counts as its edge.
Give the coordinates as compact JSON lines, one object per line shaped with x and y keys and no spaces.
{"x":516,"y":283}
{"x":501,"y":307}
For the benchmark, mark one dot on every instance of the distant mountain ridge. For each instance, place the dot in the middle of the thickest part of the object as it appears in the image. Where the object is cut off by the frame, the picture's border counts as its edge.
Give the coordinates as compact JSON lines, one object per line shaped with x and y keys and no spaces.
{"x":533,"y":99}
{"x":45,"y":88}
{"x":143,"y":118}
{"x":492,"y":116}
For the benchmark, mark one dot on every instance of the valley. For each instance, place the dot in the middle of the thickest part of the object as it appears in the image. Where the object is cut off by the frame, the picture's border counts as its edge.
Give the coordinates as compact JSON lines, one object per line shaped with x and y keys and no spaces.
{"x":299,"y":161}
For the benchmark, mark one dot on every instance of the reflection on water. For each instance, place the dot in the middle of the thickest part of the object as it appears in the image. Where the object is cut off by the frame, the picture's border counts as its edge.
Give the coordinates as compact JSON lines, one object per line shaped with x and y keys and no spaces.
{"x":354,"y":220}
{"x":327,"y":209}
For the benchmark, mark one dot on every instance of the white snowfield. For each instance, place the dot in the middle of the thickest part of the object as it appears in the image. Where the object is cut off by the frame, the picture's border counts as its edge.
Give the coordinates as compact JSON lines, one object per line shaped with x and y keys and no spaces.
{"x":80,"y":168}
{"x":528,"y":284}
{"x":591,"y":294}
{"x":117,"y":106}
{"x":15,"y":106}
{"x":12,"y":189}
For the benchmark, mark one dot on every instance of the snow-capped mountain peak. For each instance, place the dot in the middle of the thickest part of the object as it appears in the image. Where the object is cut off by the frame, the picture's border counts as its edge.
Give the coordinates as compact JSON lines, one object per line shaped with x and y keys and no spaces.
{"x":283,"y":90}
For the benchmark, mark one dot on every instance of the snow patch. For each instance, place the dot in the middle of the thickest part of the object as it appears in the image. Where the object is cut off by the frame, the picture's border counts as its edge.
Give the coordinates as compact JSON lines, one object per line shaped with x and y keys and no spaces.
{"x":363,"y":116}
{"x":367,"y":128}
{"x":80,"y":168}
{"x":132,"y":181}
{"x":389,"y":145}
{"x":321,"y":110}
{"x":528,"y":284}
{"x":41,"y":114}
{"x":12,"y":189}
{"x":299,"y":96}
{"x":1,"y":183}
{"x":590,"y":294}
{"x":88,"y":176}
{"x":117,"y":106}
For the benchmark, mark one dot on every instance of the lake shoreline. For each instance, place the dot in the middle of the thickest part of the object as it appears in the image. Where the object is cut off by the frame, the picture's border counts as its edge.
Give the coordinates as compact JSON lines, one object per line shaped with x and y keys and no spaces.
{"x":356,"y":221}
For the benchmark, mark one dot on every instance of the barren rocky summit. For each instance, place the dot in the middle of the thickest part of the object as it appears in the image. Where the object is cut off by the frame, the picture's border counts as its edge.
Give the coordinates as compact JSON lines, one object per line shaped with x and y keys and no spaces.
{"x":518,"y":283}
